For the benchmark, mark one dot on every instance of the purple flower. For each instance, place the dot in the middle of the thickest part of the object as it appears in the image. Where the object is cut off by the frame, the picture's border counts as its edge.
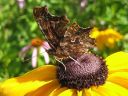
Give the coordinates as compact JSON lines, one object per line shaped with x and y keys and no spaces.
{"x":39,"y":47}
{"x":21,"y":3}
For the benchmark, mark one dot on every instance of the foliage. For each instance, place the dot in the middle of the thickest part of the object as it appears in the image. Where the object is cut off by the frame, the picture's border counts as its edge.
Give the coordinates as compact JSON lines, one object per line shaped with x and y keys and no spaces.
{"x":18,"y":27}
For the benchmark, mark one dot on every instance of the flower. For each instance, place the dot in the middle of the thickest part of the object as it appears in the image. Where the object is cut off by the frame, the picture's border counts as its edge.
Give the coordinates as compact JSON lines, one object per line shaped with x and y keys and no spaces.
{"x":43,"y":81}
{"x":21,"y":3}
{"x":106,"y":38}
{"x":83,"y":3}
{"x":37,"y":45}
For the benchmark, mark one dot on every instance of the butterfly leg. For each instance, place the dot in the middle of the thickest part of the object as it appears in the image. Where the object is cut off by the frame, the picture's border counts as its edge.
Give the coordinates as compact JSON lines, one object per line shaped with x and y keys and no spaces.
{"x":61,"y":63}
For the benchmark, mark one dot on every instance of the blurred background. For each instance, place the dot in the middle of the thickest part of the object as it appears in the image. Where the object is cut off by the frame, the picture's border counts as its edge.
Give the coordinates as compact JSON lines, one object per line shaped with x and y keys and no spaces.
{"x":18,"y":28}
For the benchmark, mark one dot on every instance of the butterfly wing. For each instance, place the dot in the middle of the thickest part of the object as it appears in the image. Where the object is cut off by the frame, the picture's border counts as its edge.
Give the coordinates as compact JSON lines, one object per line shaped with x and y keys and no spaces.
{"x":53,"y":27}
{"x":76,"y":40}
{"x":64,"y":41}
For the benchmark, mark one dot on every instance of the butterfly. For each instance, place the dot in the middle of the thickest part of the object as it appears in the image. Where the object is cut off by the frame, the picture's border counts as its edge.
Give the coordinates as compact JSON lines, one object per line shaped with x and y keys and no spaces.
{"x":65,"y":41}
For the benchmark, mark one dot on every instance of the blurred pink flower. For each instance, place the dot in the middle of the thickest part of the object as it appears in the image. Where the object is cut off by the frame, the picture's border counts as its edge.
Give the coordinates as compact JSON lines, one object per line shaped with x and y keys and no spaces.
{"x":83,"y":3}
{"x":21,"y":3}
{"x":39,"y":47}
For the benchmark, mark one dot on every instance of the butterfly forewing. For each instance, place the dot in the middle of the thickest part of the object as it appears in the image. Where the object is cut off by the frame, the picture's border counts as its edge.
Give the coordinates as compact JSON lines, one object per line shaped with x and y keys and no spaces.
{"x":53,"y":27}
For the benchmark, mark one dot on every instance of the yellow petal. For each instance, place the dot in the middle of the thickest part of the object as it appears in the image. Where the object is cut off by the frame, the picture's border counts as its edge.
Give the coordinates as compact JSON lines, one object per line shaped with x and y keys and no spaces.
{"x":68,"y":92}
{"x":45,"y":90}
{"x":80,"y":93}
{"x":58,"y":90}
{"x":95,"y":33}
{"x":12,"y":87}
{"x":87,"y":92}
{"x":111,"y":89}
{"x":28,"y":82}
{"x":63,"y":91}
{"x":117,"y":62}
{"x":120,"y":78}
{"x":95,"y":94}
{"x":45,"y":73}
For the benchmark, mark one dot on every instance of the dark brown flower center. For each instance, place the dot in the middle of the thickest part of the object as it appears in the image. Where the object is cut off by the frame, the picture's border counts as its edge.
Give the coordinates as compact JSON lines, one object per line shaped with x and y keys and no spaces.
{"x":83,"y":72}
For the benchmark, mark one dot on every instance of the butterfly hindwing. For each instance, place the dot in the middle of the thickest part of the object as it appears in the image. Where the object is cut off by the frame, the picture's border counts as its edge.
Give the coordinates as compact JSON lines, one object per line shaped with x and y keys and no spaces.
{"x":76,"y":40}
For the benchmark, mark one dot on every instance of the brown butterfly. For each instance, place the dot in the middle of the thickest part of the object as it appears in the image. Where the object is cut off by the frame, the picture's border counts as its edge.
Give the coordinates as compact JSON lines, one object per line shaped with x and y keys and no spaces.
{"x":65,"y":41}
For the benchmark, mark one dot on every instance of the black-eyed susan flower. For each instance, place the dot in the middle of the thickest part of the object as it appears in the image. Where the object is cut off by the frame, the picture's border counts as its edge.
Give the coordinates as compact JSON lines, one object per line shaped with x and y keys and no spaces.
{"x":39,"y":47}
{"x":106,"y":38}
{"x":93,"y":77}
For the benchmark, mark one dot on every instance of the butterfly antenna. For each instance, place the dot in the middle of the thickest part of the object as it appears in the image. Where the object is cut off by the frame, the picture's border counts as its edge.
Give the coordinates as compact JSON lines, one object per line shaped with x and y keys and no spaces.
{"x":74,"y":60}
